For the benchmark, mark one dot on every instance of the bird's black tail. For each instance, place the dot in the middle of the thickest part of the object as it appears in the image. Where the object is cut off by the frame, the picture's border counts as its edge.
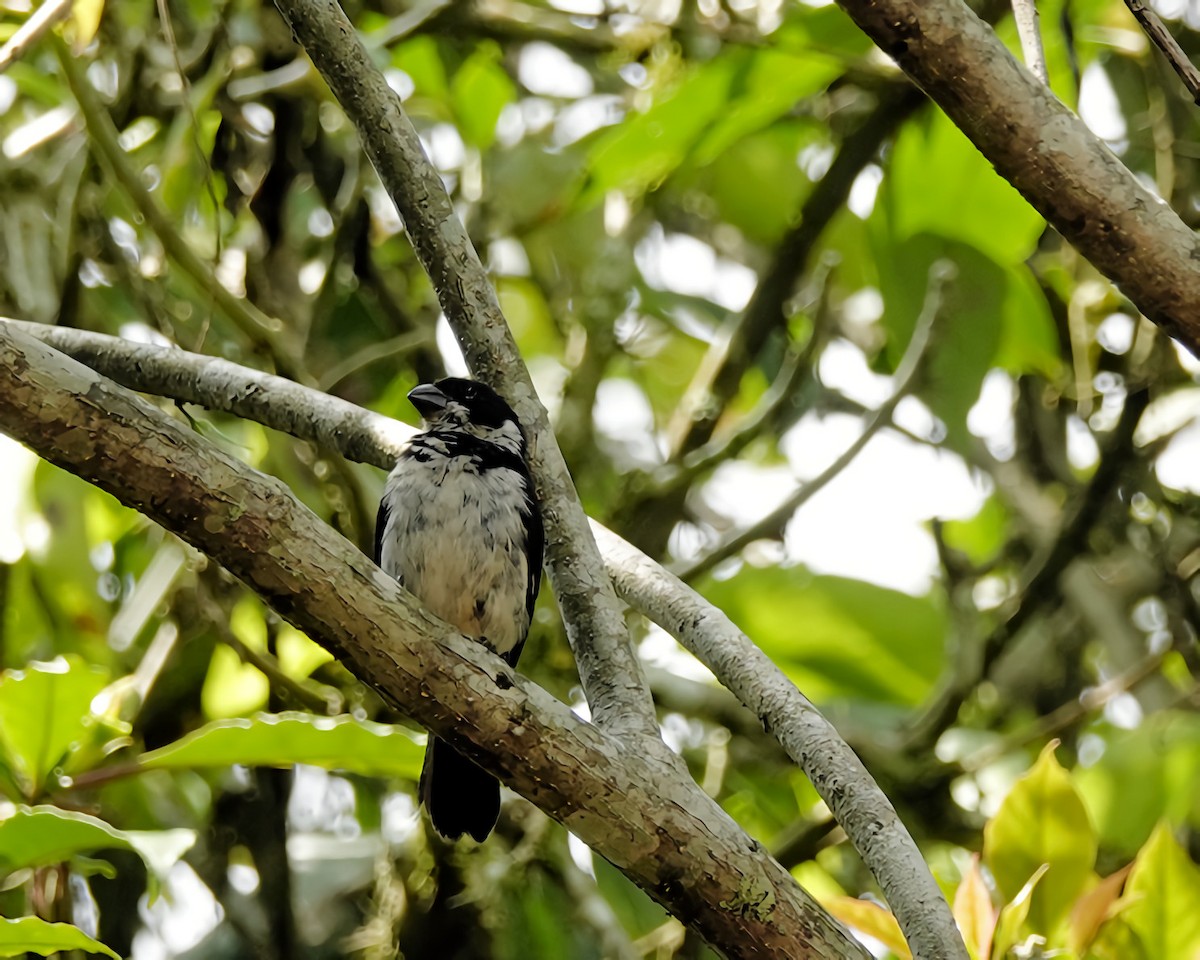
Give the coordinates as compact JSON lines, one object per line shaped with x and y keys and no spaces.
{"x":460,"y":797}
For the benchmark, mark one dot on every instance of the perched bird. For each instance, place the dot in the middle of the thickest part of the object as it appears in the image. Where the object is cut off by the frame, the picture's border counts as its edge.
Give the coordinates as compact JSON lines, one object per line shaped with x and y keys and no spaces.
{"x":460,"y":529}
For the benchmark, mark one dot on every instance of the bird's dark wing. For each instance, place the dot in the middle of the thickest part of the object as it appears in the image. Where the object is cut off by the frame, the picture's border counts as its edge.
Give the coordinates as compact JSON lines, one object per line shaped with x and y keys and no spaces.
{"x":535,"y":542}
{"x":381,"y":522}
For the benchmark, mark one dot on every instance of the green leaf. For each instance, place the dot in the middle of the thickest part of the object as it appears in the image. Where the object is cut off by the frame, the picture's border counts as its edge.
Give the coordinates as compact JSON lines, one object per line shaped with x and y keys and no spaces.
{"x":45,"y":711}
{"x":233,"y":688}
{"x":34,"y":935}
{"x":970,"y":322}
{"x":528,"y":315}
{"x":1013,"y":916}
{"x":836,"y":637}
{"x":481,"y":89}
{"x":982,"y":536}
{"x":1146,"y":774}
{"x":937,"y":182}
{"x":281,"y":740}
{"x":1028,"y":341}
{"x":641,"y":151}
{"x":714,"y":108}
{"x":38,"y":836}
{"x":1164,"y":898}
{"x":765,"y":85}
{"x":1042,"y":822}
{"x":756,"y":184}
{"x":43,"y":835}
{"x":420,"y":59}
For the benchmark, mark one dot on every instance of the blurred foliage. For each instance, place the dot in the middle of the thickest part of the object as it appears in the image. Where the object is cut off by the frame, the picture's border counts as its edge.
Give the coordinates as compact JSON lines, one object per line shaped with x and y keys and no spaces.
{"x":694,"y":213}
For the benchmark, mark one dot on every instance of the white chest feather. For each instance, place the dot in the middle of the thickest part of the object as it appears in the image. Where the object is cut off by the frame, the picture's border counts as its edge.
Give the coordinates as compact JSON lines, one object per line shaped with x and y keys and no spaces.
{"x":455,"y":538}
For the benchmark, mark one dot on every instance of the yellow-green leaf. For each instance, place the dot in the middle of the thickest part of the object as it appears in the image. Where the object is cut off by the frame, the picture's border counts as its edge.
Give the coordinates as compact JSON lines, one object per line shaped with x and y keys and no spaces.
{"x":281,"y":740}
{"x":85,"y":22}
{"x":34,"y":935}
{"x":1042,"y":822}
{"x":1164,"y":898}
{"x":871,"y":919}
{"x":1014,"y":914}
{"x":480,"y":90}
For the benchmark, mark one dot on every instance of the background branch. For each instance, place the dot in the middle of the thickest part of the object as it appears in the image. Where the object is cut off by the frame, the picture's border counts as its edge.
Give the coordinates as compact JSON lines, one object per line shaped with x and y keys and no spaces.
{"x":1158,"y":33}
{"x":1044,"y":150}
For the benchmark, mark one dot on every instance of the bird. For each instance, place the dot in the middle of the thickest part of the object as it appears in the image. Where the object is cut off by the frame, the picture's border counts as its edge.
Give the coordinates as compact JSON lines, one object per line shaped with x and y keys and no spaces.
{"x":459,"y":527}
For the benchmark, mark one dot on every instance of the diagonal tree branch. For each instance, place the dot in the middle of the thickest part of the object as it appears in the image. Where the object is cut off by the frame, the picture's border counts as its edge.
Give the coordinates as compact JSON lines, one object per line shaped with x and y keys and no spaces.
{"x":1044,"y":150}
{"x":1158,"y":33}
{"x":848,"y":789}
{"x":852,"y":796}
{"x":612,"y":676}
{"x":638,"y":810}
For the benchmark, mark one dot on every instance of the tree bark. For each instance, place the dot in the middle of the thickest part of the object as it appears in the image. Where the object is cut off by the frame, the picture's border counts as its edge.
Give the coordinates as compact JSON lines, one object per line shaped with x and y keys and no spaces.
{"x":1044,"y":150}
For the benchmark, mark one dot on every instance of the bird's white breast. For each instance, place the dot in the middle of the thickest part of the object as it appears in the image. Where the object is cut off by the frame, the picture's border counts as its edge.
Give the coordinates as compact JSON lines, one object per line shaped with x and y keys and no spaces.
{"x":455,"y":538}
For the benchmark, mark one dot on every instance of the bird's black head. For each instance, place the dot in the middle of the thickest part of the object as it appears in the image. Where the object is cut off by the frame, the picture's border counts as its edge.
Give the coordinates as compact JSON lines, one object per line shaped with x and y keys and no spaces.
{"x":468,"y":406}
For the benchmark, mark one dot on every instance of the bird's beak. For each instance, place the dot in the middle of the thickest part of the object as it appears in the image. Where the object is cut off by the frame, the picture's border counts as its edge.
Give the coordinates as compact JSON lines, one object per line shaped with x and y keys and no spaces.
{"x":428,"y":399}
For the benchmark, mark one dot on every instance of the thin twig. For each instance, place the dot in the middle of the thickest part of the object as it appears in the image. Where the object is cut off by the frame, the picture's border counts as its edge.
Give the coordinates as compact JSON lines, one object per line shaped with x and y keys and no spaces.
{"x":1067,"y":714}
{"x":185,"y":89}
{"x":797,"y":365}
{"x":939,"y":274}
{"x":373,"y":353}
{"x":32,"y":30}
{"x":1161,"y":37}
{"x":1025,"y":13}
{"x":1039,"y":582}
{"x":262,"y":330}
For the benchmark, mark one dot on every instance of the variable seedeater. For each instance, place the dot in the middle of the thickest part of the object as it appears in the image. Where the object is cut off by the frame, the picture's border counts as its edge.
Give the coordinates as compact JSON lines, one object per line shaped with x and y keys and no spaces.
{"x":460,"y":529}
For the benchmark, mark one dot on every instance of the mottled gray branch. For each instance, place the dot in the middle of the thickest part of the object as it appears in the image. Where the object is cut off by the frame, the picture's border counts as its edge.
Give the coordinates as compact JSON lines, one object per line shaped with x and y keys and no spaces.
{"x":637,"y":809}
{"x":278,"y":403}
{"x":612,"y":677}
{"x":1044,"y":150}
{"x":734,"y":659}
{"x":849,"y":791}
{"x":1025,"y":13}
